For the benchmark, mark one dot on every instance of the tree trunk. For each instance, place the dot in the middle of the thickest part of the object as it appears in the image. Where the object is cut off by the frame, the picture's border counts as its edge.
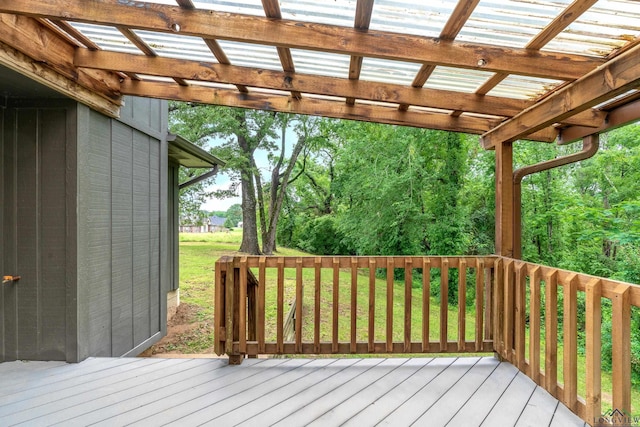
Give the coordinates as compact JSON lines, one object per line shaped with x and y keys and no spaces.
{"x":249,"y":220}
{"x":278,"y":190}
{"x":249,"y":226}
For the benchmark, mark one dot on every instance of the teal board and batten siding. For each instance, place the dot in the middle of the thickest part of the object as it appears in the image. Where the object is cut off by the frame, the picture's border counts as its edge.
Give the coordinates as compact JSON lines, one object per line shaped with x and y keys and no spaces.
{"x":83,"y":221}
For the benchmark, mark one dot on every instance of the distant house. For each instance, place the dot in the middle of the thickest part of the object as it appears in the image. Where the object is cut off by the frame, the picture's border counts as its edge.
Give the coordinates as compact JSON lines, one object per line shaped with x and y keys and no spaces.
{"x":193,"y":228}
{"x":216,"y":223}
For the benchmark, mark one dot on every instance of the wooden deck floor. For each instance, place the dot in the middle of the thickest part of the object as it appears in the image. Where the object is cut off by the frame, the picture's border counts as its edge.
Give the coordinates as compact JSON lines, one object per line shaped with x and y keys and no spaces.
{"x":467,"y":391}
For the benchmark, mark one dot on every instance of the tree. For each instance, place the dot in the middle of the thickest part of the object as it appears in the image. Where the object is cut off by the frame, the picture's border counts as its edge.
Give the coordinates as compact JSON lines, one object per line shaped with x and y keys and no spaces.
{"x":381,"y":173}
{"x":305,"y":130}
{"x":245,"y":133}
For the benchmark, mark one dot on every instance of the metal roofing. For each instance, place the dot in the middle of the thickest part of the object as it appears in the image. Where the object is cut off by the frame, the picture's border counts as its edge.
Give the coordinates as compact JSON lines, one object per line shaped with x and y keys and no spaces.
{"x":607,"y":26}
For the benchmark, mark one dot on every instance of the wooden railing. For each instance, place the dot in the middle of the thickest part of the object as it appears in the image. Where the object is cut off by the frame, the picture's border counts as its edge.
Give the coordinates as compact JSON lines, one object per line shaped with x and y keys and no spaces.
{"x":339,"y":305}
{"x":528,"y":297}
{"x":347,"y":291}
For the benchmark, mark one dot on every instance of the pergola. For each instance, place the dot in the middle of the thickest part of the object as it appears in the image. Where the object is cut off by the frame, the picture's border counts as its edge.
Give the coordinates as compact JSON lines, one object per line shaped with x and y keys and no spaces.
{"x":541,"y":70}
{"x":538,"y":69}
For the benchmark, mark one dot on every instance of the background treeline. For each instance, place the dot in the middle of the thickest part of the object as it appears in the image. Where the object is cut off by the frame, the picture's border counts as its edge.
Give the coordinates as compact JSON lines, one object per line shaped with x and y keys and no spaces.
{"x":383,"y":190}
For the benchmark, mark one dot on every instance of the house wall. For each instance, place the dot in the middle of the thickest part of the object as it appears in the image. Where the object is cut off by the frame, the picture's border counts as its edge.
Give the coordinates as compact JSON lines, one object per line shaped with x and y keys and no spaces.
{"x":37,"y":207}
{"x":83,"y":221}
{"x":122,"y":228}
{"x":173,"y":235}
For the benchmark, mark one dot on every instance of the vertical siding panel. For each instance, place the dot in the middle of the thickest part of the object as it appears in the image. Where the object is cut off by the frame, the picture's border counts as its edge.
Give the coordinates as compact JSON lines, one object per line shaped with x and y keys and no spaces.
{"x":141,"y":237}
{"x":3,"y":247}
{"x":155,"y":291}
{"x":27,"y":234}
{"x":122,"y":232}
{"x":94,"y":229}
{"x":155,"y":115}
{"x":52,"y":234}
{"x":9,"y":293}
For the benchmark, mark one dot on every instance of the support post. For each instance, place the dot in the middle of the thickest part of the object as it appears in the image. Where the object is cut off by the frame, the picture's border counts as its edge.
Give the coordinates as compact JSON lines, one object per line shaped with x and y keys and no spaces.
{"x":504,"y":199}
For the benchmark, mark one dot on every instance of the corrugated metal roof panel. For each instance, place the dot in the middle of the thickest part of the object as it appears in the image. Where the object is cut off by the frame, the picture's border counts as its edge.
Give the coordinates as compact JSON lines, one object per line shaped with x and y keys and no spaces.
{"x":522,"y":87}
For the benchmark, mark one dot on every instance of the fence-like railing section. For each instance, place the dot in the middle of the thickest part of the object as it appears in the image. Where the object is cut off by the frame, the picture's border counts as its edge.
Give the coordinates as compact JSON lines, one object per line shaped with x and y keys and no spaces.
{"x":550,"y":325}
{"x":353,"y":305}
{"x":546,"y":321}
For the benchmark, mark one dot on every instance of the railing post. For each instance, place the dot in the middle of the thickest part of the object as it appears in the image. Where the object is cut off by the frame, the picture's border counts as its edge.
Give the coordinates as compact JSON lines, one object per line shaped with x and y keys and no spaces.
{"x":252,"y":307}
{"x":520,"y":315}
{"x":551,"y":332}
{"x":219,"y":307}
{"x":444,"y":303}
{"x":231,"y":313}
{"x":570,"y":343}
{"x":498,"y":305}
{"x":593,"y":326}
{"x":621,"y":344}
{"x":242,"y":306}
{"x":480,"y":303}
{"x":509,"y":310}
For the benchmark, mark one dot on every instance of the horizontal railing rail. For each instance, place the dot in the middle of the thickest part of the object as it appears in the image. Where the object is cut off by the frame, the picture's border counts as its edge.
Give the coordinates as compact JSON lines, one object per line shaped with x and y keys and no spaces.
{"x":350,"y":298}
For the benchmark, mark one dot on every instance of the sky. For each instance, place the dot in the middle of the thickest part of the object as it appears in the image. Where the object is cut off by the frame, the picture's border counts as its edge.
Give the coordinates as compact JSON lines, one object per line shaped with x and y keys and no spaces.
{"x":223,"y":182}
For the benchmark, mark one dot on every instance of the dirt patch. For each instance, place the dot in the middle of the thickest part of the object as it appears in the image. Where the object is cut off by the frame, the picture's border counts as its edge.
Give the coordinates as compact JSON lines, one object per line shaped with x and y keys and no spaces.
{"x":185,"y":334}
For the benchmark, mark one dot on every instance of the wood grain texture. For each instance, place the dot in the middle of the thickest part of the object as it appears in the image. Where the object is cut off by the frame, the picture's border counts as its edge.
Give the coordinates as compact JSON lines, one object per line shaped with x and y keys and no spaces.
{"x":314,"y":106}
{"x":621,"y":349}
{"x":570,"y":342}
{"x":294,"y":34}
{"x":593,"y":349}
{"x":616,"y":77}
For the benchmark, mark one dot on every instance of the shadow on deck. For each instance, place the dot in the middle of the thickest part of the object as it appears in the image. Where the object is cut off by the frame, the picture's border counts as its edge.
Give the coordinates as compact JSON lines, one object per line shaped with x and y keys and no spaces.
{"x":469,"y":391}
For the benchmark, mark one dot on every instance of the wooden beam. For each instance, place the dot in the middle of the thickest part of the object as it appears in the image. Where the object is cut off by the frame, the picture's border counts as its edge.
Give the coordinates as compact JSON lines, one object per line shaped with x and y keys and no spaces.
{"x":329,"y":86}
{"x":308,"y":106}
{"x":364,"y":10}
{"x":44,"y":46}
{"x":456,"y":21}
{"x":311,"y":36}
{"x":144,"y":48}
{"x":272,"y":10}
{"x":560,"y":22}
{"x":619,"y":117}
{"x":614,"y":78}
{"x":555,"y":27}
{"x":319,"y":85}
{"x":212,"y":44}
{"x":41,"y":73}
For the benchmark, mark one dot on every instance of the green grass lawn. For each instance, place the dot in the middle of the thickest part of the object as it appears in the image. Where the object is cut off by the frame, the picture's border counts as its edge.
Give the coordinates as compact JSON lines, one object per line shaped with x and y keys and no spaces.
{"x":198,"y":253}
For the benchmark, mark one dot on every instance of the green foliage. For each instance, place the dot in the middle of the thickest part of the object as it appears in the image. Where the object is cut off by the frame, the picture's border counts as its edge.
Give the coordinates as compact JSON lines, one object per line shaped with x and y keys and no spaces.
{"x":233,"y":215}
{"x":321,"y":236}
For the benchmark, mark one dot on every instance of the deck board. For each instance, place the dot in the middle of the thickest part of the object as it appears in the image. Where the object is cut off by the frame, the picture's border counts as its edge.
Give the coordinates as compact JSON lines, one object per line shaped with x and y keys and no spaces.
{"x":511,"y":403}
{"x":414,"y":406}
{"x":468,"y":391}
{"x":477,"y":407}
{"x":379,"y":409}
{"x":446,"y":407}
{"x":347,"y":408}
